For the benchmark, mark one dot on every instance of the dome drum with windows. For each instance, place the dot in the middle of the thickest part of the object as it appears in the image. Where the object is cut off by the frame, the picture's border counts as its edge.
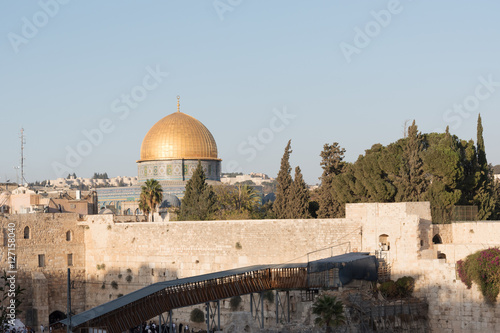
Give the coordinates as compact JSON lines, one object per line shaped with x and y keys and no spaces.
{"x":172,"y":148}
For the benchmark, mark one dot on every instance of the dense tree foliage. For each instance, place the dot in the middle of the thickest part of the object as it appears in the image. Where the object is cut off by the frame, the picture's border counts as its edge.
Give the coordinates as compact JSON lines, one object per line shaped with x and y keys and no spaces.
{"x":236,"y":202}
{"x":436,"y":167}
{"x":199,"y":199}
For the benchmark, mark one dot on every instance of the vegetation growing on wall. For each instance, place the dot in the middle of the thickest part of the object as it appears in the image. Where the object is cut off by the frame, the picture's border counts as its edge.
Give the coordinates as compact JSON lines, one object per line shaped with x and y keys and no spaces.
{"x":197,"y":316}
{"x":482,"y":268}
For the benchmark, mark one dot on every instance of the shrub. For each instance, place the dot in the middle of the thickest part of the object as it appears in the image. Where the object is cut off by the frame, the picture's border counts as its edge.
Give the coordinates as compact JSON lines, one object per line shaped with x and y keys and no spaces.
{"x":235,"y":302}
{"x":197,"y":316}
{"x":389,"y":289}
{"x":119,"y":295}
{"x":120,"y":276}
{"x":405,"y":286}
{"x":129,"y":278}
{"x":269,"y":296}
{"x":114,"y":285}
{"x":103,"y":285}
{"x":482,"y":268}
{"x":238,"y":246}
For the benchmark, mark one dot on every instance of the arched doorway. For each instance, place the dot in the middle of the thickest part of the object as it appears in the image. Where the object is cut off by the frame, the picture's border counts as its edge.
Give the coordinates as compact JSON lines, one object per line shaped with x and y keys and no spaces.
{"x":56,"y":316}
{"x":384,"y":242}
{"x":437,"y":239}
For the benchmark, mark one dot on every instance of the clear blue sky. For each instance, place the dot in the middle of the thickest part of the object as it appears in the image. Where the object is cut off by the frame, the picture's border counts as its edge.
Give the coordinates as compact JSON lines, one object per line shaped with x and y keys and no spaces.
{"x":345,"y":76}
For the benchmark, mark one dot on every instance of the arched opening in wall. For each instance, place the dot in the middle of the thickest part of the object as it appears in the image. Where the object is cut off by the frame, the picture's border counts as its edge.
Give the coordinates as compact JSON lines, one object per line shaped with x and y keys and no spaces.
{"x":69,"y":235}
{"x":441,"y":256}
{"x":128,"y":212}
{"x":27,"y":232}
{"x":56,"y":316}
{"x":437,"y":239}
{"x":383,"y":242}
{"x":138,"y":211}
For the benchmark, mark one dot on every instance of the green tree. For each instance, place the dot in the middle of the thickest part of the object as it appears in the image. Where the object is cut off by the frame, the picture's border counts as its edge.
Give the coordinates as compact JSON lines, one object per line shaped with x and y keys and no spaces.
{"x":330,"y":312}
{"x":299,"y":197}
{"x":199,"y":199}
{"x":484,"y":198}
{"x":11,"y":301}
{"x":332,"y":162}
{"x":284,"y":184}
{"x":413,"y":184}
{"x":152,"y":195}
{"x":236,"y":202}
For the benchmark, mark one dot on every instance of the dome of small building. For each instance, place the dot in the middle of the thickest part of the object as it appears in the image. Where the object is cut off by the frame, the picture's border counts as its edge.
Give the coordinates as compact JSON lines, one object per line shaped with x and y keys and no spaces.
{"x":178,"y":136}
{"x":105,"y":211}
{"x":169,"y":200}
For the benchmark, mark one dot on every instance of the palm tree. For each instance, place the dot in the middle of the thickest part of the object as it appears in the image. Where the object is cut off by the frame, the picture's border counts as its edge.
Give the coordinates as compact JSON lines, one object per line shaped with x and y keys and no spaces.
{"x":248,"y":198}
{"x":151,"y":196}
{"x":330,"y":312}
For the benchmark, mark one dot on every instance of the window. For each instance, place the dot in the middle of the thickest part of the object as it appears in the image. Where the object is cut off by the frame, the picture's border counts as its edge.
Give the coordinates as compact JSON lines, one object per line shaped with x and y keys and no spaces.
{"x":69,"y":235}
{"x":41,"y":260}
{"x":384,"y":242}
{"x":70,"y":259}
{"x":27,"y":232}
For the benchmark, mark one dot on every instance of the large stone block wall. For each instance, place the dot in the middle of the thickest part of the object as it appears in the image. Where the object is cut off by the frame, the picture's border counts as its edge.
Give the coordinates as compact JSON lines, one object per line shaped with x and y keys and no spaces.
{"x":153,"y":252}
{"x":45,"y":287}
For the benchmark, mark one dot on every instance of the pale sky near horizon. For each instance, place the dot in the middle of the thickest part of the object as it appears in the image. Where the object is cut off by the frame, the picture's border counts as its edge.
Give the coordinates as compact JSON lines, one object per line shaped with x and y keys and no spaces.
{"x":255,"y":73}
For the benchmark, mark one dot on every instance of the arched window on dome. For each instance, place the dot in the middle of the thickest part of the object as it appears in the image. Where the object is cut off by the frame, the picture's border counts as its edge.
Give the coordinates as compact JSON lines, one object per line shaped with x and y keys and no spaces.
{"x":27,"y":232}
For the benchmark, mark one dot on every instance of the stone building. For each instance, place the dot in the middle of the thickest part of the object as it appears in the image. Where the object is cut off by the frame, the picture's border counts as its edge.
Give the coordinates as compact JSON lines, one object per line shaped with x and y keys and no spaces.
{"x":169,"y":153}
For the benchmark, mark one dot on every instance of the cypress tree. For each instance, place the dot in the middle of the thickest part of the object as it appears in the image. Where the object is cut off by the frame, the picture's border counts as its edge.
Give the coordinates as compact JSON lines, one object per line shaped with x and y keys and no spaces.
{"x":484,"y":198}
{"x":199,"y":199}
{"x":413,"y":183}
{"x":332,"y":162}
{"x":299,"y":197}
{"x":284,"y":184}
{"x":481,"y":154}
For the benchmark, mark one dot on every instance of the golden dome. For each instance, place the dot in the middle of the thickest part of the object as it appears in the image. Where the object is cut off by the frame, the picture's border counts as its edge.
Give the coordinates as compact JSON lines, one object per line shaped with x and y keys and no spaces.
{"x":178,"y":136}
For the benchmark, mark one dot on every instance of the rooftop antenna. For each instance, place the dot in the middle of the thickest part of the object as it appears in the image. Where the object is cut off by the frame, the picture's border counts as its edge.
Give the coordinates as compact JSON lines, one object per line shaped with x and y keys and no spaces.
{"x":178,"y":103}
{"x":23,"y":142}
{"x":17,"y":174}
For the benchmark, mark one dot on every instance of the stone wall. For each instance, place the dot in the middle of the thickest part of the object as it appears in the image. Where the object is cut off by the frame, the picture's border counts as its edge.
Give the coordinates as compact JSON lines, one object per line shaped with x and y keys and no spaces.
{"x":114,"y":256}
{"x":137,"y":254}
{"x":45,"y":287}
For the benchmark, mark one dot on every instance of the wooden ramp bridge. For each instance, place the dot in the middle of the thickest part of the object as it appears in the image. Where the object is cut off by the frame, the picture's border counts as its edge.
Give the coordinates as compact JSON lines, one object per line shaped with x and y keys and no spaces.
{"x":161,"y":298}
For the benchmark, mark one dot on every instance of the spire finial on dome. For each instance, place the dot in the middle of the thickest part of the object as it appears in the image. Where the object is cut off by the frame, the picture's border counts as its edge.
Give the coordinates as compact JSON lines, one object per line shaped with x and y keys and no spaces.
{"x":178,"y":103}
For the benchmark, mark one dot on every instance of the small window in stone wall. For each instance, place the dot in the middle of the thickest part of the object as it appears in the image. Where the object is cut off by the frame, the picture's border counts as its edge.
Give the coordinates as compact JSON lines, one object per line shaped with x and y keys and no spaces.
{"x":26,"y":232}
{"x":384,"y":243}
{"x":70,"y":259}
{"x":41,"y":260}
{"x":69,"y":235}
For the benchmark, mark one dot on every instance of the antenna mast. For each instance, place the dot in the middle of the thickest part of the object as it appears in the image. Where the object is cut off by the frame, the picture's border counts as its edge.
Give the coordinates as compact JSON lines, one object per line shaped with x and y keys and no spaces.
{"x":23,"y":142}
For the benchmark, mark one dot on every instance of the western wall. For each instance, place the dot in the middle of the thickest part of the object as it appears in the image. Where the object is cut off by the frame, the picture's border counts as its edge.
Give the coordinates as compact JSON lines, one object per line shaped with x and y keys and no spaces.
{"x":113,"y":256}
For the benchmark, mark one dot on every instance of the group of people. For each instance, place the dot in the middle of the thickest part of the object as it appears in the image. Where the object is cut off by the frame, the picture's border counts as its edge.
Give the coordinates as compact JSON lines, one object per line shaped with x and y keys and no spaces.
{"x":152,"y":327}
